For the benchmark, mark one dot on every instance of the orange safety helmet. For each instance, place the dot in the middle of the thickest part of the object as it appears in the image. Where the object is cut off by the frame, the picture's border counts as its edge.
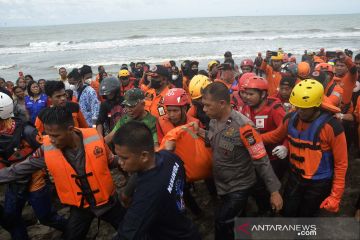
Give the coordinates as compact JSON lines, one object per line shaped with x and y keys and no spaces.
{"x":324,"y":67}
{"x":176,"y":97}
{"x":303,"y":69}
{"x":243,"y":80}
{"x":256,"y":82}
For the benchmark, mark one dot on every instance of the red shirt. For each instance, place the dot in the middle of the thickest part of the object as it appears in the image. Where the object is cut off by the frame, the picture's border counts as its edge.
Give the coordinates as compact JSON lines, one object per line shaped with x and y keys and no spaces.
{"x":266,"y":118}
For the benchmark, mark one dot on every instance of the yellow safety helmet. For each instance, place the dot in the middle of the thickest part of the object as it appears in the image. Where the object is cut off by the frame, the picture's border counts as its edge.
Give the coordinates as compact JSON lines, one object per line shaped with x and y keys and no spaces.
{"x":124,"y":73}
{"x":211,"y":64}
{"x":279,"y":57}
{"x":197,"y":84}
{"x":307,"y":94}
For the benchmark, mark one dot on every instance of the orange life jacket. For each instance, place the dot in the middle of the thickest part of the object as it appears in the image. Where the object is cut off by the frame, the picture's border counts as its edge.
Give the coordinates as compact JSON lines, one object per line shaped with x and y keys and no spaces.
{"x":66,"y":179}
{"x":306,"y":156}
{"x":14,"y":148}
{"x":192,"y":151}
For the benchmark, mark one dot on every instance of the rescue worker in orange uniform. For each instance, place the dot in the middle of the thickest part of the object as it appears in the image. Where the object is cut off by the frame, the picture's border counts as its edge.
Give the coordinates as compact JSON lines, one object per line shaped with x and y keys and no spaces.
{"x":154,"y":97}
{"x":197,"y":84}
{"x":78,"y":160}
{"x":267,"y":113}
{"x":271,"y":65}
{"x":188,"y":69}
{"x":55,"y":90}
{"x":324,"y":73}
{"x":345,"y":76}
{"x":177,"y":104}
{"x":317,"y":152}
{"x":126,"y":81}
{"x":18,"y":141}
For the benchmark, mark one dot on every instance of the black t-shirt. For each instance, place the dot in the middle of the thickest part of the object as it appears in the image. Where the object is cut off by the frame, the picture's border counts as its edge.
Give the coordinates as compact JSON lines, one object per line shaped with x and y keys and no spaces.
{"x":157,"y":209}
{"x":4,"y":90}
{"x":109,"y":114}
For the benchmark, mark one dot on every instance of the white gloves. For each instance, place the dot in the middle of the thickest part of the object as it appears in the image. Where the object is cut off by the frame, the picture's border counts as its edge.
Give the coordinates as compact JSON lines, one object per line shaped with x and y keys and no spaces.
{"x":280,"y":151}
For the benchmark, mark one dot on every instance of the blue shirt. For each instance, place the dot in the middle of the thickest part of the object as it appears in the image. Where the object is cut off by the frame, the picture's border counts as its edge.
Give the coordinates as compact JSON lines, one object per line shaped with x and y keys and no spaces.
{"x":34,"y":107}
{"x":89,"y":105}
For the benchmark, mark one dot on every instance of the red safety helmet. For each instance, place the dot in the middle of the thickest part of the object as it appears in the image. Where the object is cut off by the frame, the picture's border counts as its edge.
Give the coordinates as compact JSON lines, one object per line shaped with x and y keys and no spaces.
{"x":256,"y":83}
{"x":243,"y":80}
{"x":247,"y":62}
{"x":176,"y":97}
{"x":325,"y":67}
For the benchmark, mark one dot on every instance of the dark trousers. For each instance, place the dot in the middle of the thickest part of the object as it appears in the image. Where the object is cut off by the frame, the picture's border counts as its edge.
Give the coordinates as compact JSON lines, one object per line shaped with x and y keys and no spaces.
{"x":260,"y":192}
{"x":258,"y":72}
{"x":232,"y":205}
{"x":16,"y":196}
{"x":302,"y":197}
{"x":190,"y":201}
{"x":80,"y":220}
{"x":358,"y":203}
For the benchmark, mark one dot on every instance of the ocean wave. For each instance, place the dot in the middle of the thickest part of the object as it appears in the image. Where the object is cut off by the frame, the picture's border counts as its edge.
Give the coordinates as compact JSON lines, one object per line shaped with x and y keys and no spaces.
{"x":351,"y":29}
{"x":3,"y":67}
{"x":137,"y":36}
{"x":159,"y":60}
{"x":48,"y":44}
{"x":54,"y":46}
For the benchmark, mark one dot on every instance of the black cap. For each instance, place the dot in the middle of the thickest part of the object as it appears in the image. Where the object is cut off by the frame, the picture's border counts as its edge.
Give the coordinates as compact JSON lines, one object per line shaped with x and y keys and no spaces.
{"x":85,"y":69}
{"x":160,"y":70}
{"x":320,"y":76}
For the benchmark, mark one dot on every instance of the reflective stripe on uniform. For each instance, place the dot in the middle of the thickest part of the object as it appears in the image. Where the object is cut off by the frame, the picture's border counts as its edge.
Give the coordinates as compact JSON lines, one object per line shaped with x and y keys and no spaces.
{"x":91,"y":139}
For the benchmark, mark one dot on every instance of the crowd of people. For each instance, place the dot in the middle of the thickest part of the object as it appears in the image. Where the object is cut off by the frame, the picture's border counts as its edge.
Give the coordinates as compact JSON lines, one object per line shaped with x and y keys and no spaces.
{"x":275,"y":129}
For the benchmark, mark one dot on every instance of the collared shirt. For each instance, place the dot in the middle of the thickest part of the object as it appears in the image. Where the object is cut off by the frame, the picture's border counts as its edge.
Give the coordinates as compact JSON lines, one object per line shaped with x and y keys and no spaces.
{"x":89,"y":105}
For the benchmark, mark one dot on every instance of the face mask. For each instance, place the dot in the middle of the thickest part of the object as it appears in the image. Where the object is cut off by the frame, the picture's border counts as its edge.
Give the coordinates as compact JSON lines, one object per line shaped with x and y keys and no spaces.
{"x":88,"y":81}
{"x":174,"y":77}
{"x":357,"y":87}
{"x":155,"y":84}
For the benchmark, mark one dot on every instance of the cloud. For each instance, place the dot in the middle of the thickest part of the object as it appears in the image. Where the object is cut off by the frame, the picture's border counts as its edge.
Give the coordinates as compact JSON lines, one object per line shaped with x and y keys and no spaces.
{"x":44,"y":12}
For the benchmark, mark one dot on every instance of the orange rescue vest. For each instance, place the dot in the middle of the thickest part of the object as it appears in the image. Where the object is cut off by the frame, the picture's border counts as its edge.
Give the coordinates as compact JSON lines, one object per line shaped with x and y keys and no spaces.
{"x":307,"y":159}
{"x":67,"y":181}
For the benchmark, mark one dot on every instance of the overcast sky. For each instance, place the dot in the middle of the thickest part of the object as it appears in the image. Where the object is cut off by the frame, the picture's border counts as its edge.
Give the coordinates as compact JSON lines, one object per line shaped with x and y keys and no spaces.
{"x":47,"y":12}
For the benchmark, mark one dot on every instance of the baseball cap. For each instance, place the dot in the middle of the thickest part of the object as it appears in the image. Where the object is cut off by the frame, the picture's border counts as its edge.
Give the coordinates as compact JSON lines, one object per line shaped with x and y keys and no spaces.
{"x":160,"y":70}
{"x":319,"y":76}
{"x":133,"y":97}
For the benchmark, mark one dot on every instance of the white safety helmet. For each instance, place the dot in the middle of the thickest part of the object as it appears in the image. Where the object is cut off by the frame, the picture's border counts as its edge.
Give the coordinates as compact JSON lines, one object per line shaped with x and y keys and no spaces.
{"x":6,"y":106}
